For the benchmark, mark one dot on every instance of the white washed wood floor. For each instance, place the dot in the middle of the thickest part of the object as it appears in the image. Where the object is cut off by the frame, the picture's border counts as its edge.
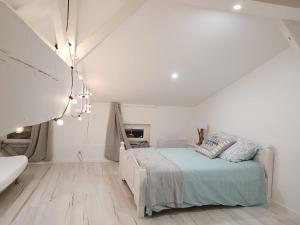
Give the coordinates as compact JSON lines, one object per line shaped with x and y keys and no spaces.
{"x":92,"y":194}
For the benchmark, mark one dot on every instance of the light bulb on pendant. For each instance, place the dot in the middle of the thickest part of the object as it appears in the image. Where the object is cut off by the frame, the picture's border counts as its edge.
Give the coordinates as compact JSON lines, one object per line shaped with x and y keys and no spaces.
{"x":88,"y":111}
{"x":80,"y":77}
{"x":19,"y":130}
{"x":73,"y":100}
{"x":59,"y":122}
{"x":89,"y":106}
{"x":79,"y":118}
{"x":88,"y":93}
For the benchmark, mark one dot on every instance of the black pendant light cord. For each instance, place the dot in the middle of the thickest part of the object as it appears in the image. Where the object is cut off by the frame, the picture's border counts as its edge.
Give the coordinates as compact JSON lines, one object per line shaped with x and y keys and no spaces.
{"x":68,"y":14}
{"x":72,"y":68}
{"x":70,"y":96}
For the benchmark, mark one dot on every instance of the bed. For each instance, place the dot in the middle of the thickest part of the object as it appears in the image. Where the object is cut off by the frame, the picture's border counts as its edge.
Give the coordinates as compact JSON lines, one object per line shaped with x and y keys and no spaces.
{"x":206,"y":182}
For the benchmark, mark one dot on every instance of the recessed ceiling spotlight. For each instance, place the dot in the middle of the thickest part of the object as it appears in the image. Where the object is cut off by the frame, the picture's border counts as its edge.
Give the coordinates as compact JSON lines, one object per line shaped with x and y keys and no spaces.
{"x":237,"y":7}
{"x":174,"y":76}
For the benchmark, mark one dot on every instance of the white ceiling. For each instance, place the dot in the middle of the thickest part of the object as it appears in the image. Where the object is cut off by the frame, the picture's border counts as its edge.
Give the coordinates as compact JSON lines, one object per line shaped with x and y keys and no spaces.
{"x":209,"y":49}
{"x":93,"y":13}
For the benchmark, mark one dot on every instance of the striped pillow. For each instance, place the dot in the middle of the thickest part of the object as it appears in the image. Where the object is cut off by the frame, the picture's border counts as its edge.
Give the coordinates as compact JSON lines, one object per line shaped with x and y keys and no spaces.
{"x":214,"y":146}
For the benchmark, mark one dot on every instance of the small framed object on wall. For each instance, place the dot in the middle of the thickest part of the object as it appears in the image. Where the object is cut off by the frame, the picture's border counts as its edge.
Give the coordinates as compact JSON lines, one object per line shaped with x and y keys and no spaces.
{"x":137,"y":132}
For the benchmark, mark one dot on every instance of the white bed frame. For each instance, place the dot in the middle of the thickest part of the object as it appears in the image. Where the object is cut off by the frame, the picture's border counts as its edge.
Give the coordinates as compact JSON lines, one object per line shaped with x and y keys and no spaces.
{"x":135,"y":175}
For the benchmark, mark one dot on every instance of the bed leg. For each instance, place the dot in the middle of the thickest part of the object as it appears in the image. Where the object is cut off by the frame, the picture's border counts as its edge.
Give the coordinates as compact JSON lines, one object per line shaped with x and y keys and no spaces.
{"x":16,"y":181}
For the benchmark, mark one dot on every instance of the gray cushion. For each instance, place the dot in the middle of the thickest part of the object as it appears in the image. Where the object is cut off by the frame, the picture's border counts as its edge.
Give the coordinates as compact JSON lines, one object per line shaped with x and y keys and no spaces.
{"x":242,"y":150}
{"x":214,"y":146}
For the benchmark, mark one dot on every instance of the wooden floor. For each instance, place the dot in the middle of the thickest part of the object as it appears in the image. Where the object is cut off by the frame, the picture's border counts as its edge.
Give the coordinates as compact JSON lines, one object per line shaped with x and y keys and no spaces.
{"x":92,"y":194}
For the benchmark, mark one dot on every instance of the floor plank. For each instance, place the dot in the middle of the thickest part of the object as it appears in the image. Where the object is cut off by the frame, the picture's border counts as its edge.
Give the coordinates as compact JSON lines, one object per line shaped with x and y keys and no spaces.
{"x":93,"y":194}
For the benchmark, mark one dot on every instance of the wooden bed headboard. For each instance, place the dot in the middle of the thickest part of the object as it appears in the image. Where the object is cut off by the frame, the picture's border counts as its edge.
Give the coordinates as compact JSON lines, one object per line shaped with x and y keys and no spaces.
{"x":266,"y":158}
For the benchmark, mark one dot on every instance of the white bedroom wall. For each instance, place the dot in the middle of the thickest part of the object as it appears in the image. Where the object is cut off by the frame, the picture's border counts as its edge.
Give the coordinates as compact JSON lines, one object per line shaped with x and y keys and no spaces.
{"x":166,"y":123}
{"x":265,"y":107}
{"x":66,"y":141}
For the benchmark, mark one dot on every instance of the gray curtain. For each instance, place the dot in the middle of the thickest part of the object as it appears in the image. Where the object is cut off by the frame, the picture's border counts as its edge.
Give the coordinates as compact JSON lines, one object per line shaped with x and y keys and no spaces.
{"x":36,"y":150}
{"x":115,"y":133}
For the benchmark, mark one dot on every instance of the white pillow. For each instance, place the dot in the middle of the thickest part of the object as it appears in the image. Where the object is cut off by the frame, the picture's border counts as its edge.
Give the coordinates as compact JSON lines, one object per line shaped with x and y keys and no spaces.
{"x":242,"y":150}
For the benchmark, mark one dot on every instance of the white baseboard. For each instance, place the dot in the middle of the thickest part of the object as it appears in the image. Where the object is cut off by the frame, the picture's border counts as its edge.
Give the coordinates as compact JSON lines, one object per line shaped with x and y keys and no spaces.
{"x":77,"y":161}
{"x":283,"y":207}
{"x":69,"y":161}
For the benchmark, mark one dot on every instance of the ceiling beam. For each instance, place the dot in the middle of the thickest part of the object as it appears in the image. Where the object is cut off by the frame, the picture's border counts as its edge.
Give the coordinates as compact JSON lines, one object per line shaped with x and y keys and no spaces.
{"x":72,"y":28}
{"x":65,"y":25}
{"x":59,"y":21}
{"x":85,"y":47}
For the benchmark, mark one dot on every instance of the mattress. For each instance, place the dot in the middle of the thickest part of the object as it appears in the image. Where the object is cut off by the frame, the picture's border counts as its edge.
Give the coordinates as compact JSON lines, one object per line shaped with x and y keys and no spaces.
{"x":10,"y":169}
{"x":216,"y":181}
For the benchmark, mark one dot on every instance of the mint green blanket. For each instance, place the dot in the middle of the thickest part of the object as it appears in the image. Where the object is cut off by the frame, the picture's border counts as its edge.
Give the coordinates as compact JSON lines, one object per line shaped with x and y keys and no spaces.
{"x":216,"y":181}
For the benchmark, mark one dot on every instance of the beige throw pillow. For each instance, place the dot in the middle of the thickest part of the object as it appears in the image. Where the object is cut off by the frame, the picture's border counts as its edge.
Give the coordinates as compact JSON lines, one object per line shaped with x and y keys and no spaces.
{"x":214,"y":146}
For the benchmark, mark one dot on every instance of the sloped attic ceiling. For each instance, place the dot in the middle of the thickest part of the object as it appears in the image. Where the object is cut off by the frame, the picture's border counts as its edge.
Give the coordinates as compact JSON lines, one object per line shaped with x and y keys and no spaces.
{"x":209,"y":49}
{"x":39,"y":14}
